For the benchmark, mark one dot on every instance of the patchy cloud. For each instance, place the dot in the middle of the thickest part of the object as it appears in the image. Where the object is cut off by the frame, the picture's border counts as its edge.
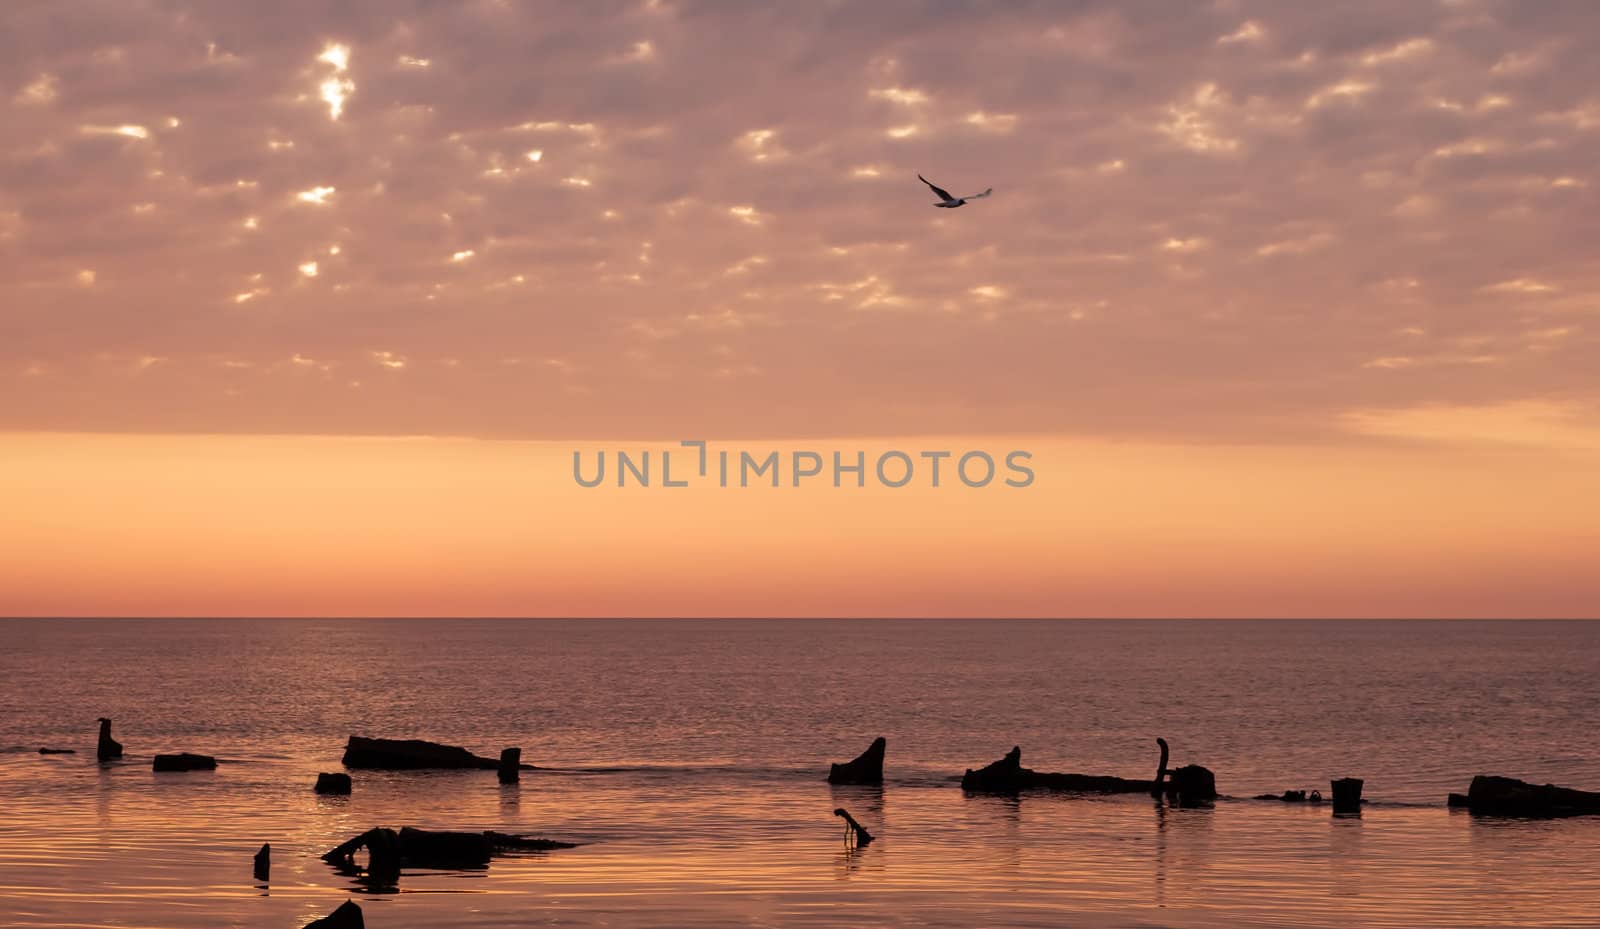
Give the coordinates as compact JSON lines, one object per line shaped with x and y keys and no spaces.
{"x":1200,"y":215}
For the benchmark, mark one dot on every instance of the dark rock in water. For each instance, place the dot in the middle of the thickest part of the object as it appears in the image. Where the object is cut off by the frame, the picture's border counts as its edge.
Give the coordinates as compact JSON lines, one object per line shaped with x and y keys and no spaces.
{"x":333,"y":783}
{"x":510,"y":765}
{"x":1288,"y":796}
{"x":58,"y":751}
{"x":183,"y":761}
{"x":1456,"y":800}
{"x":1008,"y":776}
{"x":388,"y":850}
{"x":867,"y":768}
{"x":854,"y":831}
{"x":347,"y":916}
{"x":107,"y":748}
{"x":263,"y":862}
{"x":1506,"y":796}
{"x":1194,"y":785}
{"x":1347,"y":795}
{"x":410,"y":754}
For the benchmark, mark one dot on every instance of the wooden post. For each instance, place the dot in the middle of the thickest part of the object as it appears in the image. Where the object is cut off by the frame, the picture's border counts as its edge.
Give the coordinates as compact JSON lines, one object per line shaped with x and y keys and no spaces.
{"x":1161,"y":770}
{"x":263,"y":866}
{"x":1347,"y":795}
{"x":510,"y":765}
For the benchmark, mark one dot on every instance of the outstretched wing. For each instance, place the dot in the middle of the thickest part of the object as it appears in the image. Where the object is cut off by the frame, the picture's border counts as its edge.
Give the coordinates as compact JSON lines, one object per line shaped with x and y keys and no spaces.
{"x":980,"y":196}
{"x":943,"y":194}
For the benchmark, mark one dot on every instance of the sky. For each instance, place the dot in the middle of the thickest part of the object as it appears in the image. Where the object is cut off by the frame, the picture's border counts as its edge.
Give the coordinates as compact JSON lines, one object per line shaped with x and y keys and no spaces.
{"x":1257,"y":260}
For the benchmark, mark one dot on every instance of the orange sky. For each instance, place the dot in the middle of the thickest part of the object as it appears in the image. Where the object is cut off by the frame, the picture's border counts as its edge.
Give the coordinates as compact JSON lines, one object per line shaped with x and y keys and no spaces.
{"x":138,"y":525}
{"x":1294,"y":302}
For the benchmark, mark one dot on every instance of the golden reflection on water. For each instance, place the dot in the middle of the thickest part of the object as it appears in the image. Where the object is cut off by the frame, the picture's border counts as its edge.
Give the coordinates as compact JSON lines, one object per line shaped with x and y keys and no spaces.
{"x":82,"y":845}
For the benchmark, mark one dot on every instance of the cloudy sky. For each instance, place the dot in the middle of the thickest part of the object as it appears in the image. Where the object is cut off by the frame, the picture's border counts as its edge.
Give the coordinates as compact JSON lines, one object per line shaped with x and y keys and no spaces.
{"x":1235,"y":223}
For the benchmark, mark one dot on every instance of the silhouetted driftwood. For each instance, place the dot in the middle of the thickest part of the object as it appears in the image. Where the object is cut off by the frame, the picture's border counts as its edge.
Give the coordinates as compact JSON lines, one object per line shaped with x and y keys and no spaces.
{"x":347,"y":916}
{"x":58,"y":751}
{"x":388,"y":850}
{"x":1293,"y":796}
{"x":263,"y":862}
{"x":867,"y":768}
{"x":332,"y":783}
{"x":183,"y":761}
{"x":1506,"y":796}
{"x":1190,"y":784}
{"x":107,"y":748}
{"x":1008,"y":776}
{"x":1347,"y":795}
{"x":411,"y":754}
{"x":854,"y":832}
{"x":510,"y":765}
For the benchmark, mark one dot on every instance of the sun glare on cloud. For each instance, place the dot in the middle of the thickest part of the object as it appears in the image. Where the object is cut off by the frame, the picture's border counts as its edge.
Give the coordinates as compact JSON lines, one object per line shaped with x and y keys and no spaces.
{"x":338,"y":88}
{"x":315,"y":195}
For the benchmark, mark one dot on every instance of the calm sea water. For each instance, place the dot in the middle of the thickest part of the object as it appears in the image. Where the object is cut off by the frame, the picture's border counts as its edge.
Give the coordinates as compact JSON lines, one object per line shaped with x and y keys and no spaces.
{"x":689,"y":758}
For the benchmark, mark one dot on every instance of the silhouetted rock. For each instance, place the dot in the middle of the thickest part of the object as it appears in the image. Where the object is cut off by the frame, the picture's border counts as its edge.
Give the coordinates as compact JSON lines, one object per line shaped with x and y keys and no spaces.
{"x":1347,"y":795}
{"x":58,"y":751}
{"x":388,"y":850}
{"x":1456,"y":800}
{"x":1008,"y":776}
{"x":867,"y":768}
{"x":347,"y":916}
{"x":1505,"y":796}
{"x":1192,"y":785}
{"x":510,"y":765}
{"x":854,"y":831}
{"x":183,"y":761}
{"x":333,"y":783}
{"x":107,"y":748}
{"x":410,"y":754}
{"x":263,"y":862}
{"x":1288,"y":796}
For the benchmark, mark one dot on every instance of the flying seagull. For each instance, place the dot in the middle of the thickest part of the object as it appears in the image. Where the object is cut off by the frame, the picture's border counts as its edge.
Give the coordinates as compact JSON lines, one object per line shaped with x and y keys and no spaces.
{"x":948,"y":202}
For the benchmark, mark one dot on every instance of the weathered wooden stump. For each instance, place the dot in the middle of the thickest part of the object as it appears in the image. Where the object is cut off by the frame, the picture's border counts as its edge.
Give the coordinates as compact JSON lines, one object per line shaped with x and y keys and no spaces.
{"x":107,"y":748}
{"x":866,"y":768}
{"x":1347,"y":795}
{"x":333,"y":783}
{"x":263,"y":863}
{"x":510,"y":765}
{"x":1194,"y":785}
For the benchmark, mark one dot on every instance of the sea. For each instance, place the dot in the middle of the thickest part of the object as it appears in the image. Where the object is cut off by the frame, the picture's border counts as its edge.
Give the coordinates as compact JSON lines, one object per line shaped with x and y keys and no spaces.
{"x":687,"y":759}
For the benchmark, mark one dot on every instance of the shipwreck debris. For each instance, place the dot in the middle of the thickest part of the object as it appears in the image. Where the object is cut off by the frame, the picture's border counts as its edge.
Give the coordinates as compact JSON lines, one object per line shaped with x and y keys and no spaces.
{"x":347,"y":916}
{"x":1507,"y":796}
{"x":510,"y":769}
{"x":412,"y":754}
{"x":389,"y":850}
{"x":333,"y":783}
{"x":107,"y":748}
{"x":867,"y":768}
{"x":1347,"y":796}
{"x":263,"y":862}
{"x":184,"y":761}
{"x":58,"y":751}
{"x":854,"y":833}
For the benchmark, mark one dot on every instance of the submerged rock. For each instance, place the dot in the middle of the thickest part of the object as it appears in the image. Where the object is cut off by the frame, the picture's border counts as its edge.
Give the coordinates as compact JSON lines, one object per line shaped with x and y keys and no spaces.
{"x":183,"y":761}
{"x":1008,"y":776}
{"x":333,"y":783}
{"x":107,"y":748}
{"x":347,"y":916}
{"x":1507,"y":796}
{"x":867,"y":768}
{"x":410,"y":754}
